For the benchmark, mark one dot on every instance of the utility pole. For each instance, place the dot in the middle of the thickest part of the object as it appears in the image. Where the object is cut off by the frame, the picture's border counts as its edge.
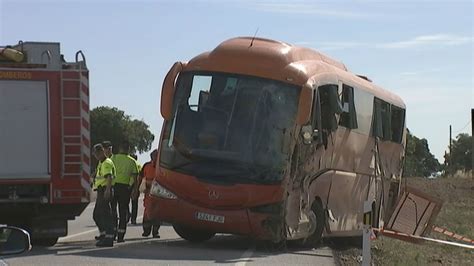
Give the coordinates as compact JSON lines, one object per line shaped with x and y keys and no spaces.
{"x":450,"y":144}
{"x":450,"y":138}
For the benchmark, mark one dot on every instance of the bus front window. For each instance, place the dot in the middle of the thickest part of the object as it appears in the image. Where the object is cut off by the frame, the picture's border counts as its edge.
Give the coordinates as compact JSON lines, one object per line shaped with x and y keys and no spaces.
{"x":228,"y":126}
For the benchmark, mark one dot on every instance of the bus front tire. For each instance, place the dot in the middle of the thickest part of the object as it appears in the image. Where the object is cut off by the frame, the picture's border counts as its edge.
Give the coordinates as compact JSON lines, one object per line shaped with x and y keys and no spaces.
{"x":315,"y":239}
{"x":192,"y":235}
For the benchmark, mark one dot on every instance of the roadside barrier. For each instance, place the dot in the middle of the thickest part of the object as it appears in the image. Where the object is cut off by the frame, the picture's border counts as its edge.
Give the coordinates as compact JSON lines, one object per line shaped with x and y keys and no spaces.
{"x":451,"y":234}
{"x":395,"y":234}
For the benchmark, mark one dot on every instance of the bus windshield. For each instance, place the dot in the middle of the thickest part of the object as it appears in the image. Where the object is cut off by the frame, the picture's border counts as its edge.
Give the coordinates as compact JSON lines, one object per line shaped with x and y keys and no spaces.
{"x":228,"y":126}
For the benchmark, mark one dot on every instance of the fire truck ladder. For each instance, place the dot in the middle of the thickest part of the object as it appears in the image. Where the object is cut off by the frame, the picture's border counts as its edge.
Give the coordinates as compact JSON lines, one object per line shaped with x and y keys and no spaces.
{"x":73,"y":119}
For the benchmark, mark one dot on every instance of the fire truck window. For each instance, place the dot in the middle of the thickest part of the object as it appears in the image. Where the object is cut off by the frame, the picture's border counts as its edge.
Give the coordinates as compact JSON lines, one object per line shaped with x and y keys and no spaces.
{"x":348,"y":116}
{"x":398,"y":122}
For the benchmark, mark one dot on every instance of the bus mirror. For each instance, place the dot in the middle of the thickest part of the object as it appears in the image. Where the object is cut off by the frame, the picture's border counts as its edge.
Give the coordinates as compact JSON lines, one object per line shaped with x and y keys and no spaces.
{"x":305,"y":103}
{"x":167,"y":91}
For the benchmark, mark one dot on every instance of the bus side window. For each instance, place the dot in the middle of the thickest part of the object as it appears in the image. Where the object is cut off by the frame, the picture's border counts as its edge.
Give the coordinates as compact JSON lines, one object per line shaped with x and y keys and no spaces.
{"x":398,"y":121}
{"x":348,"y":115}
{"x":330,"y":106}
{"x":382,"y":124}
{"x":316,"y":117}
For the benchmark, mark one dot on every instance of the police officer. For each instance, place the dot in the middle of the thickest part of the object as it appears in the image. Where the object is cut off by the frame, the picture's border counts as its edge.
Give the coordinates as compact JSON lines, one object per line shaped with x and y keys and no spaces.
{"x":107,"y":145}
{"x":134,"y":200}
{"x":107,"y":148}
{"x":126,"y":169}
{"x":148,"y":173}
{"x":103,"y":182}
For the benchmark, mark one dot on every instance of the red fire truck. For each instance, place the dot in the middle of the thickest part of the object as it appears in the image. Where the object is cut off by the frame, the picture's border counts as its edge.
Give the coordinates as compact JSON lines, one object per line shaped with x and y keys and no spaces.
{"x":44,"y":139}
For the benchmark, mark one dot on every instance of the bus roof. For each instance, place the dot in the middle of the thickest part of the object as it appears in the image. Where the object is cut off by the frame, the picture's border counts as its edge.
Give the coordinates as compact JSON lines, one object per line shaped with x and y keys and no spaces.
{"x":280,"y":61}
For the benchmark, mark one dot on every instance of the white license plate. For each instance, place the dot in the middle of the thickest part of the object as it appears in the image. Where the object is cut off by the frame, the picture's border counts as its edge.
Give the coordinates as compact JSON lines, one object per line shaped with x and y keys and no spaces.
{"x":210,"y":217}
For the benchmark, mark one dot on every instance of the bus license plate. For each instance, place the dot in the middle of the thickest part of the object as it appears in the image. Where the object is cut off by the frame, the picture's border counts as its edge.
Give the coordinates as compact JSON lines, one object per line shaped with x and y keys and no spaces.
{"x":210,"y":217}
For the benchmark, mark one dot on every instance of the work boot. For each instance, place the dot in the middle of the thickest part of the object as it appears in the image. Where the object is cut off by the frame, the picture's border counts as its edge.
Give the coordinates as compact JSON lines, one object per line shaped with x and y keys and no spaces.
{"x":146,"y":233}
{"x":155,"y":232}
{"x":99,"y":237}
{"x":120,"y":238}
{"x":105,"y":242}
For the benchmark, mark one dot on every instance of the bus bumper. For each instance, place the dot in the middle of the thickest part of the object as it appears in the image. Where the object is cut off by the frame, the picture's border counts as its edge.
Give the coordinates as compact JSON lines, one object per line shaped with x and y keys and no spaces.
{"x":240,"y":222}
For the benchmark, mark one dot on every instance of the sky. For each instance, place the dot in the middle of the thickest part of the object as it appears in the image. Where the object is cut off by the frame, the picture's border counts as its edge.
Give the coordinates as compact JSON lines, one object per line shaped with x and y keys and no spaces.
{"x":420,"y":50}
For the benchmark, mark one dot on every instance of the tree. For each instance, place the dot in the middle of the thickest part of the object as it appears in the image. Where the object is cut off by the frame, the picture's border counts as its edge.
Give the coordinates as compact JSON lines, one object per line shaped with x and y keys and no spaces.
{"x":110,"y":123}
{"x":460,"y":157}
{"x":419,"y":160}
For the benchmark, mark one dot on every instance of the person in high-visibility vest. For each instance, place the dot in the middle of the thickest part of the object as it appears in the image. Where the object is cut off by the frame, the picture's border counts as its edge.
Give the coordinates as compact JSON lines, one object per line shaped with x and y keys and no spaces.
{"x":103,"y":182}
{"x":107,"y":148}
{"x":127,"y":169}
{"x":147,"y":174}
{"x":134,"y":198}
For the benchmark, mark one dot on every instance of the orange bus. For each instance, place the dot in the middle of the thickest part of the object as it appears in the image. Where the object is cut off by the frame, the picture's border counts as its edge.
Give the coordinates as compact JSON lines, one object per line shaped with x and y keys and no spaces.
{"x":277,"y":142}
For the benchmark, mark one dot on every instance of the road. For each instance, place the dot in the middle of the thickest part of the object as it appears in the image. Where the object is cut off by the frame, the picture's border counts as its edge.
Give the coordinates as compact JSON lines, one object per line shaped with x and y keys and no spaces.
{"x":78,"y":248}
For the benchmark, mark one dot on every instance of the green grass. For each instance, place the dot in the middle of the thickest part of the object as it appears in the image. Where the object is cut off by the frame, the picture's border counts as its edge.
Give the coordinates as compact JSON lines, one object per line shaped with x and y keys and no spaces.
{"x":456,"y":215}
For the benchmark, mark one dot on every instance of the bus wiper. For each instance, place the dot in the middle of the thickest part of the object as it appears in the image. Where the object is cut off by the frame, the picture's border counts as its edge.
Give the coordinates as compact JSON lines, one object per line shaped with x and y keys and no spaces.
{"x":198,"y":155}
{"x":253,"y":173}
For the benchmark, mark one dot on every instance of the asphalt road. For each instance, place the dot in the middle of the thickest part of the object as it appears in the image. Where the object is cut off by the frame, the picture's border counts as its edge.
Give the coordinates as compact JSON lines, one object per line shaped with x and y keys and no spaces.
{"x":78,"y":248}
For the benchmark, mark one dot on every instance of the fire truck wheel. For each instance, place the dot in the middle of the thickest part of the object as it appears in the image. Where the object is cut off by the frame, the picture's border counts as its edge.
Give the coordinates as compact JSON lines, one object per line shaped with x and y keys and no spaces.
{"x":192,"y":235}
{"x":45,"y":242}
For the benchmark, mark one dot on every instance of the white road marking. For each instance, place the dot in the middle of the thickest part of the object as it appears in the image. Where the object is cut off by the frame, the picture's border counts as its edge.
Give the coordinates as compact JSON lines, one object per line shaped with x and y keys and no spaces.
{"x":246,"y":257}
{"x":78,"y":234}
{"x":85,"y":232}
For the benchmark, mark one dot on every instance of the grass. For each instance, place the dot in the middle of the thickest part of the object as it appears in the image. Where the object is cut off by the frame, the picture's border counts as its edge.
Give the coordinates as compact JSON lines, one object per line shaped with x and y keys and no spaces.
{"x":456,"y":215}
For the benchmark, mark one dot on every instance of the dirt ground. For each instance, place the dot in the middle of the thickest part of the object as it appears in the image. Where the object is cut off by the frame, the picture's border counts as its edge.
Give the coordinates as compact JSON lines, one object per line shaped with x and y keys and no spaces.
{"x":457,"y":215}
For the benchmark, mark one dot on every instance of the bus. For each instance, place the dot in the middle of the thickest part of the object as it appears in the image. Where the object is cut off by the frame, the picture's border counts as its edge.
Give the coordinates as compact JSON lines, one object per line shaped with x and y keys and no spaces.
{"x":277,"y":142}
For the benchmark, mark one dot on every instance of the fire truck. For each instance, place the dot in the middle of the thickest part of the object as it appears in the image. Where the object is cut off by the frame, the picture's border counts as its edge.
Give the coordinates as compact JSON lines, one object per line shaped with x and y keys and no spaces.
{"x":44,"y":139}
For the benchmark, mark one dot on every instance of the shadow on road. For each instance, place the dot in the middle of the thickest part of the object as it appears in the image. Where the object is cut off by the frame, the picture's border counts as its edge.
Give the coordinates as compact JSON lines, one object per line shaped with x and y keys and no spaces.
{"x":220,"y":249}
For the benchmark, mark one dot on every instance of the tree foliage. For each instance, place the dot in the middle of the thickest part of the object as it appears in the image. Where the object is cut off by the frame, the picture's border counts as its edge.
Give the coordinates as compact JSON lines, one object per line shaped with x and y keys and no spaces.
{"x":419,"y":160}
{"x":110,"y":123}
{"x":460,"y":157}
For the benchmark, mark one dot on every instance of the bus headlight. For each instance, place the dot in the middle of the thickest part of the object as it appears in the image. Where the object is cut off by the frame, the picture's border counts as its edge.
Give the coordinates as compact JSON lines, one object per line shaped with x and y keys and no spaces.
{"x":159,"y":191}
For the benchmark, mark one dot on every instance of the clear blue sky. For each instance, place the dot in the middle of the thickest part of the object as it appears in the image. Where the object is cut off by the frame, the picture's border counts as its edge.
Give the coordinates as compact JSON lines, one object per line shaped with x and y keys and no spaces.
{"x":421,"y":50}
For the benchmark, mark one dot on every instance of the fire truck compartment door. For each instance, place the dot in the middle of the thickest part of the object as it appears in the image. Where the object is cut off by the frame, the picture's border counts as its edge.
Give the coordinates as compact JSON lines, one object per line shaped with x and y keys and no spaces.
{"x":24,"y":134}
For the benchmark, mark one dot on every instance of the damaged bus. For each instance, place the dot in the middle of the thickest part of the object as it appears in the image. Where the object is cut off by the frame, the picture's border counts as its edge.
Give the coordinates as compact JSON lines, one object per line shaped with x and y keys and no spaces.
{"x":277,"y":142}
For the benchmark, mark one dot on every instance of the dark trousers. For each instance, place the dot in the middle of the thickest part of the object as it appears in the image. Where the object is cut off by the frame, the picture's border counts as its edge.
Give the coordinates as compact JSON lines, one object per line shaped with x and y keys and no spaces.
{"x":122,"y":200}
{"x":102,"y":214}
{"x":151,"y":226}
{"x":134,"y":212}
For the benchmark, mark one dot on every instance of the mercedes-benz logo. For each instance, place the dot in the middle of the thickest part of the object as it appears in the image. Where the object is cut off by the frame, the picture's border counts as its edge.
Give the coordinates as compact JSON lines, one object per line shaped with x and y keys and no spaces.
{"x":213,"y":195}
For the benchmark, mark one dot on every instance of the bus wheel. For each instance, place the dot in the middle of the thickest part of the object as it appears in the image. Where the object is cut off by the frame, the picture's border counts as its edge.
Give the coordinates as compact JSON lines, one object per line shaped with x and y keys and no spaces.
{"x":315,"y":239}
{"x":192,"y":235}
{"x":45,"y":242}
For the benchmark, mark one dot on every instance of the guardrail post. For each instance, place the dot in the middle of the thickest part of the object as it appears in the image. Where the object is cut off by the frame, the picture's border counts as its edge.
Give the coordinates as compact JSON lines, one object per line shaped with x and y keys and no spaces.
{"x":366,"y":253}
